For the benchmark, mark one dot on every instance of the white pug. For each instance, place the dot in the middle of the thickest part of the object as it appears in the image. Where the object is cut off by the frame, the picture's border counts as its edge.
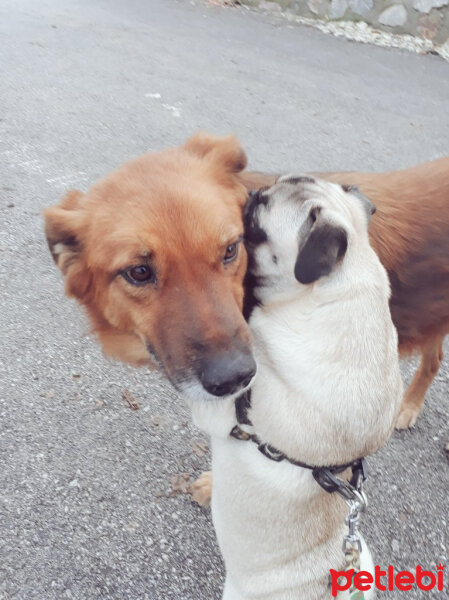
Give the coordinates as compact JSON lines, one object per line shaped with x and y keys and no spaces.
{"x":327,"y":390}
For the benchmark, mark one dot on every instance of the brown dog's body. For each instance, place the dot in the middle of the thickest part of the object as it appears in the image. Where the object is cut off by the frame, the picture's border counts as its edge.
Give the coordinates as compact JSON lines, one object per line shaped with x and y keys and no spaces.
{"x":410,"y":233}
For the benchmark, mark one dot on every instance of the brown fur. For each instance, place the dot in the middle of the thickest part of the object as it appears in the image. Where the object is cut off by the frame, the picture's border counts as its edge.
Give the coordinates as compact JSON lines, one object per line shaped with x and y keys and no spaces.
{"x":177,"y":210}
{"x":410,"y":233}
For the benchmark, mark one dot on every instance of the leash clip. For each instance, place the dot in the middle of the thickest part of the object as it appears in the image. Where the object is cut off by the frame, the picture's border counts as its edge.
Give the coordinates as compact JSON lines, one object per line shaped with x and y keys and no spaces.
{"x":352,"y":493}
{"x":352,"y":539}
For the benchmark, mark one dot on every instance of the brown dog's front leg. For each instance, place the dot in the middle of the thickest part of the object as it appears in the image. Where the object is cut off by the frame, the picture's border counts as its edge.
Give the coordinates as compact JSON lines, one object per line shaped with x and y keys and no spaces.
{"x":432,"y":355}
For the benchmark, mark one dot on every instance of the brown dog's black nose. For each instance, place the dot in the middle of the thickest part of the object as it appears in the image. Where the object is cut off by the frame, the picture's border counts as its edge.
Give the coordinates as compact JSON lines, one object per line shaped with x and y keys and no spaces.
{"x":226,"y":373}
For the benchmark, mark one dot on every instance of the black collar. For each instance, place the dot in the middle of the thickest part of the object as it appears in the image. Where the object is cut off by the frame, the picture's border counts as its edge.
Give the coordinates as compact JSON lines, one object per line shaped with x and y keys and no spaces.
{"x":324,"y":476}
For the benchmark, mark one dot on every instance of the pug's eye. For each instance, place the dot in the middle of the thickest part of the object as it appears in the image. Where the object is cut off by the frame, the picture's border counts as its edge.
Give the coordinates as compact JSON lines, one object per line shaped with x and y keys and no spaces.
{"x":231,"y":253}
{"x":140,"y":275}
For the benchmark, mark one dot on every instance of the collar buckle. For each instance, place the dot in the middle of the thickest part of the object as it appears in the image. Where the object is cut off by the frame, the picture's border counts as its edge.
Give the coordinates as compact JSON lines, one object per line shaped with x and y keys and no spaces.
{"x":350,"y":491}
{"x":239,"y":434}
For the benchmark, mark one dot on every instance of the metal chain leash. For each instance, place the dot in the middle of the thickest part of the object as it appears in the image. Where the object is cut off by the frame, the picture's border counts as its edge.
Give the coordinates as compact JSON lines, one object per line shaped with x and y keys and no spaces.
{"x":354,"y":496}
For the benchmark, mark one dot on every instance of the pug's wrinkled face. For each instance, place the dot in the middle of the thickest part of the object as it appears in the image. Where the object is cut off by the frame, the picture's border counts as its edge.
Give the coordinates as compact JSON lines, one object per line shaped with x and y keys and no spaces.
{"x":298,"y":231}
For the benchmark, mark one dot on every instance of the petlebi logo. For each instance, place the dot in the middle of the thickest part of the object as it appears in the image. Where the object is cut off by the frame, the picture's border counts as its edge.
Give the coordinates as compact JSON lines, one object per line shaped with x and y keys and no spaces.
{"x":404,"y":581}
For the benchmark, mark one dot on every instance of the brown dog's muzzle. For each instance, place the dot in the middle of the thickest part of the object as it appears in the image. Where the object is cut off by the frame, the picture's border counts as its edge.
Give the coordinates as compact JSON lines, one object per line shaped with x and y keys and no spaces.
{"x":203,"y":341}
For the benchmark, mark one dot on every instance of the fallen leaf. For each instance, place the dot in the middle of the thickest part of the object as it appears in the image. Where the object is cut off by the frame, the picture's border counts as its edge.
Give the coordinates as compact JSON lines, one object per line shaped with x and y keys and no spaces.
{"x":200,"y":448}
{"x":158,"y":495}
{"x":180,"y":484}
{"x":130,"y":399}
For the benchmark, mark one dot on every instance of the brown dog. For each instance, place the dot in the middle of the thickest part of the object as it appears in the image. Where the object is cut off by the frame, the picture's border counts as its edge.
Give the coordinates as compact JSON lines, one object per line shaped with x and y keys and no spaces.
{"x":154,"y":253}
{"x":410,"y":233}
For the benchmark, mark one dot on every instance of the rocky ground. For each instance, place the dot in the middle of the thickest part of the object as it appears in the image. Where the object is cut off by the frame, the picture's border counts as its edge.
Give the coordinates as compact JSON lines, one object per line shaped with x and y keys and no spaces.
{"x":420,"y":26}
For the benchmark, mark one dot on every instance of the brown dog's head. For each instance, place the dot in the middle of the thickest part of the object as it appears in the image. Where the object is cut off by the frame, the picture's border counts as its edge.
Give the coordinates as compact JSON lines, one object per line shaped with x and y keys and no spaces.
{"x":154,"y":253}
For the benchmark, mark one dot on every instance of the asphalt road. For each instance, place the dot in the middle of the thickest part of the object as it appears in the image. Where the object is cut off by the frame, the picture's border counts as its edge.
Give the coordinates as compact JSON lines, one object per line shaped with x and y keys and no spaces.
{"x":87,"y":509}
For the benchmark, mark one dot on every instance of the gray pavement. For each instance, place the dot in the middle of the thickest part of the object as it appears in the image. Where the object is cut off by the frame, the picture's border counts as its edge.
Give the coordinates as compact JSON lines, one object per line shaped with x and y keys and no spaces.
{"x":86,"y":504}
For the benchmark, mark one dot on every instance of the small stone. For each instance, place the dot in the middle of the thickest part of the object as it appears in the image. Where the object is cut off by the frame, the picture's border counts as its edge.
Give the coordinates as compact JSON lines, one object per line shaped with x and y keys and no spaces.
{"x":157,"y":421}
{"x":395,"y":547}
{"x":429,"y":25}
{"x":393,"y":16}
{"x":426,"y":6}
{"x":361,"y":7}
{"x":318,"y":7}
{"x":271,"y":6}
{"x":131,"y":526}
{"x":338,"y":9}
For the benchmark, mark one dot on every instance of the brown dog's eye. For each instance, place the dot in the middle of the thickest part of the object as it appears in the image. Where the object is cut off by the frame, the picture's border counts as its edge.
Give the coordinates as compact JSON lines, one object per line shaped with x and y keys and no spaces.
{"x":140,"y":275}
{"x":231,"y":252}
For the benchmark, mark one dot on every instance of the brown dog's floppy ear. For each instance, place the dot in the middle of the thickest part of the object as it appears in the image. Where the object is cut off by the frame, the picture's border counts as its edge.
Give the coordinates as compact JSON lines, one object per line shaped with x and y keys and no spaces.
{"x":225,"y":150}
{"x":324,"y":246}
{"x":63,"y":226}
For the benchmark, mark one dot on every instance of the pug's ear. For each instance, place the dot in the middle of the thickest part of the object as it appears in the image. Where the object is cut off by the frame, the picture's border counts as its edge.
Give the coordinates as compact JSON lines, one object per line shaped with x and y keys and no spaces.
{"x":225,"y":151}
{"x":324,"y":246}
{"x":64,"y":226}
{"x":368,"y":206}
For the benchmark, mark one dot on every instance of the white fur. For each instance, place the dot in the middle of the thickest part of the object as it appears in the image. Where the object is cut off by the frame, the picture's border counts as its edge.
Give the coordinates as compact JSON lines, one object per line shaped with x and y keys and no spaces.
{"x":327,"y":391}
